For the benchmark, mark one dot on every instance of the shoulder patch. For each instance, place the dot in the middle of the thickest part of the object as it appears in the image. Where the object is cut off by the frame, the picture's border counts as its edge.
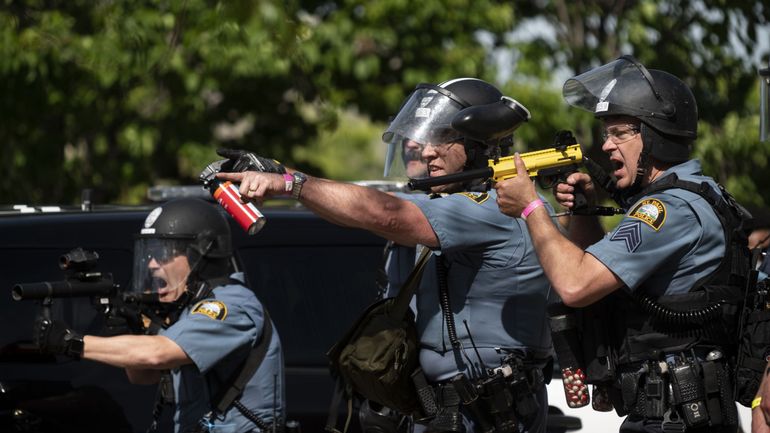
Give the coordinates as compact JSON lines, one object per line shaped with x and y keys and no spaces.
{"x":212,"y":308}
{"x":478,"y":197}
{"x":629,"y":233}
{"x":650,"y":211}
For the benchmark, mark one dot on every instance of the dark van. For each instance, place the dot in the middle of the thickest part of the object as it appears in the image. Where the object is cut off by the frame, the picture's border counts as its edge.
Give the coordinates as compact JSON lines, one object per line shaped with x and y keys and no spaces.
{"x":314,"y":277}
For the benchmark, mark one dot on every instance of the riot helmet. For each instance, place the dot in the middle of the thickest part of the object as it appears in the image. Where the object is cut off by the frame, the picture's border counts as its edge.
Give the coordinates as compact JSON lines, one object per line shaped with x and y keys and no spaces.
{"x":663,"y":104}
{"x":466,"y":110}
{"x":182,"y":244}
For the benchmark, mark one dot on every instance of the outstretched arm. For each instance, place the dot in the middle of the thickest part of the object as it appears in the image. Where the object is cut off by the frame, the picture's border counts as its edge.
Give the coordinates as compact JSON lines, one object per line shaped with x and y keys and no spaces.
{"x":138,"y":354}
{"x":346,"y":204}
{"x":135,"y":352}
{"x":578,"y":277}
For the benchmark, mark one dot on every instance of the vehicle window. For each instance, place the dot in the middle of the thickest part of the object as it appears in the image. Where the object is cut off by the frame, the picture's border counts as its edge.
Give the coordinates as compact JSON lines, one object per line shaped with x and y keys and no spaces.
{"x":314,"y":294}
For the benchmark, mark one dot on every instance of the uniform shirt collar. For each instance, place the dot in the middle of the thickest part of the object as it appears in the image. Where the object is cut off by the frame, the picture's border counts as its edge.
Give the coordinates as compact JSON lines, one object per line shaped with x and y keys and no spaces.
{"x":691,"y":167}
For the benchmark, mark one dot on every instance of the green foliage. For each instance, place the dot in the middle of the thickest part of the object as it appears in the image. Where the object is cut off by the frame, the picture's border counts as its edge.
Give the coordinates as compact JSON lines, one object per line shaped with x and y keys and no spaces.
{"x":705,"y":42}
{"x":118,"y":95}
{"x":352,"y":151}
{"x":115,"y":94}
{"x":732,"y":152}
{"x":371,"y":54}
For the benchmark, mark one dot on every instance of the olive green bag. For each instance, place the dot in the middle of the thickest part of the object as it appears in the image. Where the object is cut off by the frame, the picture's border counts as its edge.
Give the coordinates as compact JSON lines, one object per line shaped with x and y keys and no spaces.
{"x":377,"y":356}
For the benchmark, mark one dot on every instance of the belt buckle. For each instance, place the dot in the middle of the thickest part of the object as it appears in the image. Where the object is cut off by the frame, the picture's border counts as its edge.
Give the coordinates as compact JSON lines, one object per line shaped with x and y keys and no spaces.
{"x":672,"y":423}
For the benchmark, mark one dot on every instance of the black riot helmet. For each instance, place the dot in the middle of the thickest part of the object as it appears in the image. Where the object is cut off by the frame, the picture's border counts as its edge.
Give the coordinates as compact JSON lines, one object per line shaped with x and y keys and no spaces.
{"x":663,"y":104}
{"x":188,"y":227}
{"x":466,"y":110}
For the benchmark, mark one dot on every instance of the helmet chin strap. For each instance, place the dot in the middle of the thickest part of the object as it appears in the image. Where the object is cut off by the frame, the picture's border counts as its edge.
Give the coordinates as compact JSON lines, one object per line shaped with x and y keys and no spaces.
{"x":643,"y":165}
{"x":476,"y":157}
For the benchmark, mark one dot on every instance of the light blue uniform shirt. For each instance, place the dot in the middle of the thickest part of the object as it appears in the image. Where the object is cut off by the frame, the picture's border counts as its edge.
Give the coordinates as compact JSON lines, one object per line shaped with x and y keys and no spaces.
{"x":668,"y":240}
{"x":218,"y":334}
{"x":496,"y":284}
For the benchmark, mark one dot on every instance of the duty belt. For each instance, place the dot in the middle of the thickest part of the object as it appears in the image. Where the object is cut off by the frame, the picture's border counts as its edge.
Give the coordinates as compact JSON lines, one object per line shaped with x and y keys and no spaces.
{"x":496,"y":403}
{"x":685,"y":393}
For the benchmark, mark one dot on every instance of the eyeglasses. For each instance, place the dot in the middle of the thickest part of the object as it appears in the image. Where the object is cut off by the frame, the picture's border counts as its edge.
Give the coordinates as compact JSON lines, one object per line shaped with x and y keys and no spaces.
{"x":165,"y":256}
{"x":620,"y":134}
{"x":439,"y":147}
{"x":164,"y":251}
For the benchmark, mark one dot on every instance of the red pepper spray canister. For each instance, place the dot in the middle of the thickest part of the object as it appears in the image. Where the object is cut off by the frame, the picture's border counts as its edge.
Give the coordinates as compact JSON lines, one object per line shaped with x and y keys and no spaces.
{"x":246,"y":214}
{"x":566,"y":344}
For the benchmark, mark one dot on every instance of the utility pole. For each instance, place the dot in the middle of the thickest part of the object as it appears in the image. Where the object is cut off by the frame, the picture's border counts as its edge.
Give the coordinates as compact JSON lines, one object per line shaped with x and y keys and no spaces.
{"x":764,"y":104}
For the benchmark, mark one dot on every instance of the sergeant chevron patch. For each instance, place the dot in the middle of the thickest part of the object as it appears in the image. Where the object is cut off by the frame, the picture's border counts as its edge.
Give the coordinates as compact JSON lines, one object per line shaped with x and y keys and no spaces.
{"x":630,"y":233}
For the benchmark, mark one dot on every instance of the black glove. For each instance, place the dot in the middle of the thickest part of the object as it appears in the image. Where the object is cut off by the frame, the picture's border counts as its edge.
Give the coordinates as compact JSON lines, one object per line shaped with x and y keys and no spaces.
{"x":53,"y":337}
{"x":238,"y":161}
{"x":124,"y":318}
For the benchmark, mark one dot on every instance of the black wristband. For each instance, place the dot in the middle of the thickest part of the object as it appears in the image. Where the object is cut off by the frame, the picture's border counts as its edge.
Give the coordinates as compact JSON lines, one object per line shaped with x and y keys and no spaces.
{"x":73,"y":345}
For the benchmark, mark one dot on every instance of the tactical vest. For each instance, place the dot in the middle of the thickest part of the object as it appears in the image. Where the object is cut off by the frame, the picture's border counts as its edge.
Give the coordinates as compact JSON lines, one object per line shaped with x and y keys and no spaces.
{"x":628,"y":328}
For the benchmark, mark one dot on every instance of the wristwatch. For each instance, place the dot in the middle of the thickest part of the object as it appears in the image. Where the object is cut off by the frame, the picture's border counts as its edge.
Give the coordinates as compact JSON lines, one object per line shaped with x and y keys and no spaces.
{"x":296,"y":188}
{"x":74,"y":344}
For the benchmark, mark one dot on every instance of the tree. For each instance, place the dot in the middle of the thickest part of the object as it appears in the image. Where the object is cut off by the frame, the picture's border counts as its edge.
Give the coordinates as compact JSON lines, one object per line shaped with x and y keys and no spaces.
{"x":118,"y":95}
{"x":708,"y":43}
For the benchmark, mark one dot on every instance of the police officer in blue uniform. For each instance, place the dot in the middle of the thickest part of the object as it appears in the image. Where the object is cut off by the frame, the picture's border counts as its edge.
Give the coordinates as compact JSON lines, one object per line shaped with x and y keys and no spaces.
{"x":663,"y":289}
{"x":214,"y":323}
{"x":482,"y":298}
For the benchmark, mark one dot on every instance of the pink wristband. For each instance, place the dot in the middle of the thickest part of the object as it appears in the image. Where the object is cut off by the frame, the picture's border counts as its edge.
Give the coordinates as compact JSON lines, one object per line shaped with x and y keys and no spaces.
{"x":288,"y":183}
{"x":534,"y":204}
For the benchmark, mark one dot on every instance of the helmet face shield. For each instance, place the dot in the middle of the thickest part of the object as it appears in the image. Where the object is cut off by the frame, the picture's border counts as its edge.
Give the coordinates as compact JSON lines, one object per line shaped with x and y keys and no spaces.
{"x":404,"y":160}
{"x":425,"y":118}
{"x":659,"y":100}
{"x":161,"y":265}
{"x":621,"y":87}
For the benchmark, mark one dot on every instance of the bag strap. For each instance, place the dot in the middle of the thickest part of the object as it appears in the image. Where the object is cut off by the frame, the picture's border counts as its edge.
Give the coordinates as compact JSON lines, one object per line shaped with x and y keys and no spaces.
{"x":331,"y":420}
{"x":397,"y":312}
{"x":401,"y":303}
{"x":256,"y":356}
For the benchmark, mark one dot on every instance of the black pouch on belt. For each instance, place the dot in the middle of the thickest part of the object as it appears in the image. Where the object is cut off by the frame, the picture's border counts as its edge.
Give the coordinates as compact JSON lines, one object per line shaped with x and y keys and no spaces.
{"x":448,"y":418}
{"x":689,"y":395}
{"x":629,"y":387}
{"x":655,"y":392}
{"x":469,"y":397}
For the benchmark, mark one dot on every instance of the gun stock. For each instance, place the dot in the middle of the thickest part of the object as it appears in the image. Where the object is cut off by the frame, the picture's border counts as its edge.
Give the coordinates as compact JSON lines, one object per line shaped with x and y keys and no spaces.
{"x":505,"y":168}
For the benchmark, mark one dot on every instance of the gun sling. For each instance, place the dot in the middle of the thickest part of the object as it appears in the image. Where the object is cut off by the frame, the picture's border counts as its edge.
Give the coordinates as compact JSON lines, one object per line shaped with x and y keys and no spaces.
{"x":225,"y":399}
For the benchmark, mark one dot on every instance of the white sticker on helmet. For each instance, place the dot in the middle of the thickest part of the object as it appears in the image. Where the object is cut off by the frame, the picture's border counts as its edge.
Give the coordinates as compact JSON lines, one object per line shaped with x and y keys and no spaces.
{"x":422,"y":112}
{"x":603,"y":105}
{"x":152,"y":217}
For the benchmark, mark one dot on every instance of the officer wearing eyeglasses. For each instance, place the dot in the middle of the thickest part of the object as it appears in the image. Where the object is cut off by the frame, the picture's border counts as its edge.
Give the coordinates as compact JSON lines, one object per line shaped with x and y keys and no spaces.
{"x":483,"y":296}
{"x":659,"y":296}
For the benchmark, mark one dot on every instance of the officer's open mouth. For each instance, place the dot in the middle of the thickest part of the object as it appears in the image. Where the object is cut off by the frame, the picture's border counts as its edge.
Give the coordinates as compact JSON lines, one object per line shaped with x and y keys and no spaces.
{"x":158,"y":283}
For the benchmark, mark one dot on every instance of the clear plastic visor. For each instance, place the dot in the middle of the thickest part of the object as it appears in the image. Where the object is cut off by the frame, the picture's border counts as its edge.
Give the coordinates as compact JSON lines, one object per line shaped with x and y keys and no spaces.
{"x":606,"y":88}
{"x":424,"y":119}
{"x":157,"y":264}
